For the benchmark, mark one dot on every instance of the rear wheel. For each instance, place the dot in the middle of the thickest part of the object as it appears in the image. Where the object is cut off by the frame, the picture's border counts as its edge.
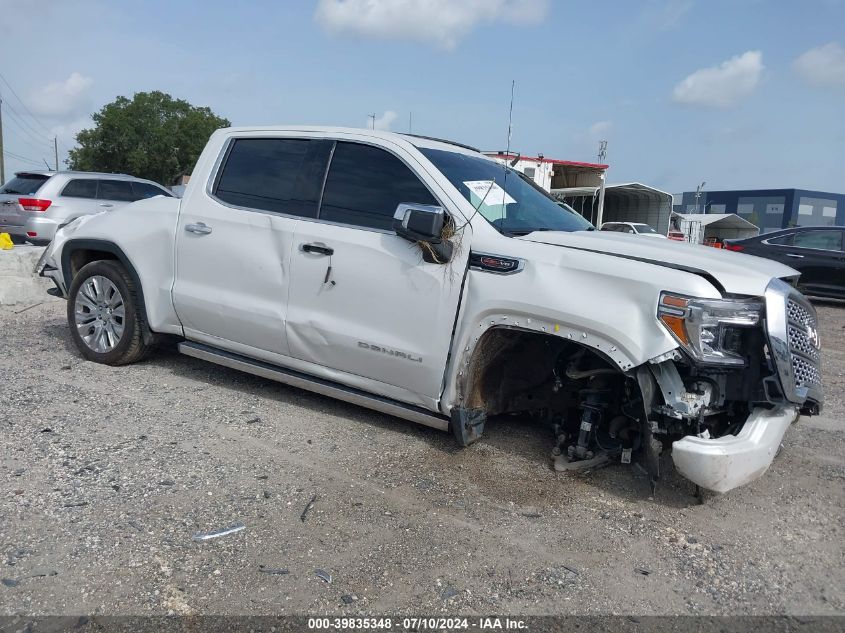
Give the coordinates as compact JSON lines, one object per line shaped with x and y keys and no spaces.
{"x":17,"y":239}
{"x":104,"y":316}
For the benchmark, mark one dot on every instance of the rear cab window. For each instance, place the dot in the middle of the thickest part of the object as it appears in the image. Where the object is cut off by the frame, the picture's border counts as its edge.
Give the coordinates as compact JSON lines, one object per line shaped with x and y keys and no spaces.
{"x":24,"y":184}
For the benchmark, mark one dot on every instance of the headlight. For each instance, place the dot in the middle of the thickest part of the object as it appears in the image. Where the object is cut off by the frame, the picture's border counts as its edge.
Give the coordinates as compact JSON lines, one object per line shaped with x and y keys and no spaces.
{"x":708,"y":329}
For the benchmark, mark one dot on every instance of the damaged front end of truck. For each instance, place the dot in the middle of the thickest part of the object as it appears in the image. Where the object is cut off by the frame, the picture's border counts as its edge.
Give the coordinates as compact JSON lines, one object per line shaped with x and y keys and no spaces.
{"x":720,"y":403}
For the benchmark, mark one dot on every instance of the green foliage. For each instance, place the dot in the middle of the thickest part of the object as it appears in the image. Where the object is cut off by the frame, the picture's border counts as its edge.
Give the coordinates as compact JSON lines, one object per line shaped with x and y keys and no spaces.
{"x":151,"y":136}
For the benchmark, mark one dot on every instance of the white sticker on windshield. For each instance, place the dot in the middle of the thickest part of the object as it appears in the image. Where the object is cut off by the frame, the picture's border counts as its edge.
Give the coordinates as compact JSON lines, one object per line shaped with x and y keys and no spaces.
{"x":487,"y":190}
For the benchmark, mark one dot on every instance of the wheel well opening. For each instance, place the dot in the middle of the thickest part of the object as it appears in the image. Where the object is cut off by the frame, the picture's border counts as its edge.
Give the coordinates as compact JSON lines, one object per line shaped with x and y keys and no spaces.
{"x":515,"y":370}
{"x":83,"y":256}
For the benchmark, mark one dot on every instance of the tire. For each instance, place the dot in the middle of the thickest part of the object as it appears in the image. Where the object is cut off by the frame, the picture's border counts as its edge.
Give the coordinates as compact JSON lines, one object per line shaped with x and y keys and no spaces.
{"x":103,"y":313}
{"x":17,"y":239}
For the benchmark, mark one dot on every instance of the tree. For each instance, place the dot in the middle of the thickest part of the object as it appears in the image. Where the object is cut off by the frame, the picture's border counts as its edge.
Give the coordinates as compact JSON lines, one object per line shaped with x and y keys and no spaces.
{"x":151,"y":136}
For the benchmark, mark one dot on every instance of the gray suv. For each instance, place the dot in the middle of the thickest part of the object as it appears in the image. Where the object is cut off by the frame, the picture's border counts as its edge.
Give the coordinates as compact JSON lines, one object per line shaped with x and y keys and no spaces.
{"x":34,"y":204}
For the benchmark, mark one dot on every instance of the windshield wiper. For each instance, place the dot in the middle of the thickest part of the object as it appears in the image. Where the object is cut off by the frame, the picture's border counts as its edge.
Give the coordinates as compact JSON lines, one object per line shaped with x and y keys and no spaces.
{"x":519,"y":232}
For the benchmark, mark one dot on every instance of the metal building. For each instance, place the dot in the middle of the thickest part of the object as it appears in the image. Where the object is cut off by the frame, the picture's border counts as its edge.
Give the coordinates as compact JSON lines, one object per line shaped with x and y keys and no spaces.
{"x":769,"y":209}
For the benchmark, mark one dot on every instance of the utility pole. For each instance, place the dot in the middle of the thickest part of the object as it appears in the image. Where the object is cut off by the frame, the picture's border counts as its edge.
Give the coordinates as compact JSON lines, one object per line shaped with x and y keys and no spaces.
{"x":2,"y":155}
{"x":698,"y":194}
{"x":410,"y":122}
{"x":56,"y":150}
{"x":373,"y":117}
{"x":603,"y":176}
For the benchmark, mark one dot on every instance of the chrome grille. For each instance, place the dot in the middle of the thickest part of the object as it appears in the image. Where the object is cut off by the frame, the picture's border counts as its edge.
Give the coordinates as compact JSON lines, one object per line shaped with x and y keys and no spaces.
{"x":792,"y":331}
{"x":806,"y":374}
{"x":802,"y":330}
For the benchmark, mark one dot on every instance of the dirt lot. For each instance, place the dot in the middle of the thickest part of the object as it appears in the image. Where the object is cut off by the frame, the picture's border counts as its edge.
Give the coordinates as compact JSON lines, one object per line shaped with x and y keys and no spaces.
{"x":108,"y":472}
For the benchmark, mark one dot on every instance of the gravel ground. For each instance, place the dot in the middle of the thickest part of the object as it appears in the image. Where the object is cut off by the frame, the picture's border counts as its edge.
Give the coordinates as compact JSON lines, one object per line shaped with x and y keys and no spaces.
{"x":108,"y":472}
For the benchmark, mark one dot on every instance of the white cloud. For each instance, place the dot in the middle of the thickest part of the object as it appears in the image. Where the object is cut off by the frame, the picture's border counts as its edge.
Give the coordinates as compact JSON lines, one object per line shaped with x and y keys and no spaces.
{"x":441,"y":22}
{"x":666,"y":15}
{"x":823,"y":65}
{"x":382,"y":122}
{"x":62,"y":99}
{"x":600,"y":128}
{"x":724,"y":85}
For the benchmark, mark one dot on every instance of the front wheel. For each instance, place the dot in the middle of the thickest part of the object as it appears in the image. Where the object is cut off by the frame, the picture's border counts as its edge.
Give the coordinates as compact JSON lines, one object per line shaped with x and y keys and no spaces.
{"x":103,"y":314}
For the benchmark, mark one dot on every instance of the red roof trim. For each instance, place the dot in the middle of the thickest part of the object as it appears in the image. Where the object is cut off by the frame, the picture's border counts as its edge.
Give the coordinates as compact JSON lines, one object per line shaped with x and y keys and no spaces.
{"x":554,"y":161}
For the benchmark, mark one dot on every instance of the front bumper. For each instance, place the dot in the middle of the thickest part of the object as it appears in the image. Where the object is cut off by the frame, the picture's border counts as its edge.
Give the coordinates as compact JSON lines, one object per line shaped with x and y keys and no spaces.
{"x":724,"y":463}
{"x":46,"y":268}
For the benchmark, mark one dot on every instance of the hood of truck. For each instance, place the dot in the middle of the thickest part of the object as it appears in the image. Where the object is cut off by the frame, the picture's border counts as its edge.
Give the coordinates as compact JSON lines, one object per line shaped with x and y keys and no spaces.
{"x":736,"y":273}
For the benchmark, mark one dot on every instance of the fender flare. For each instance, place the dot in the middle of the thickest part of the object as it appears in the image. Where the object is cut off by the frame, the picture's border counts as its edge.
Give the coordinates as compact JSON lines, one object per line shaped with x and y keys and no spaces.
{"x":73,"y":245}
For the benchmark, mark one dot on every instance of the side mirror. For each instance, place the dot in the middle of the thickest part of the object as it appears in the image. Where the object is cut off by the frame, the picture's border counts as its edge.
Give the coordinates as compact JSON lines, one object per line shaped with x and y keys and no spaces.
{"x":424,"y":223}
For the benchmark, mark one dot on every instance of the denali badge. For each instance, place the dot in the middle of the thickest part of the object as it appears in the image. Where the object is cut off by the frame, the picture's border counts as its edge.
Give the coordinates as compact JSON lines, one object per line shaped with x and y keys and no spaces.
{"x":389,"y":352}
{"x":813,"y":335}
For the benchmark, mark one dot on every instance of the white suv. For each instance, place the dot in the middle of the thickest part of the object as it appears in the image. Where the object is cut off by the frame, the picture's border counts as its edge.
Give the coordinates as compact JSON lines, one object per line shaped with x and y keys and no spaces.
{"x":423,"y":279}
{"x":34,"y":204}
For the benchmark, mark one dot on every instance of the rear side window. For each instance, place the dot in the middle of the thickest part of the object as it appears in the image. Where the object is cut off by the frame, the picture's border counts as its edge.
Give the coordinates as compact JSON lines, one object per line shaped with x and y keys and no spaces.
{"x":825,"y":240}
{"x":365,"y":184}
{"x":274,"y":174}
{"x":119,"y":190}
{"x":783,"y":240}
{"x":144,"y":190}
{"x":80,"y":188}
{"x":24,"y":184}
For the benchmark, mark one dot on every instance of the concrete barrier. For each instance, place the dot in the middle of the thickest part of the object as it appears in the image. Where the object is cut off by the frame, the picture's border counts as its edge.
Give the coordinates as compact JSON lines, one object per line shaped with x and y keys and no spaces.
{"x":18,"y":284}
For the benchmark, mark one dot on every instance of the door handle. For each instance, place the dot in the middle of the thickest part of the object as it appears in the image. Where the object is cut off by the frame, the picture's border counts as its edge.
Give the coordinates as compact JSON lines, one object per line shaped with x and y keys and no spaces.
{"x":200,"y":228}
{"x":319,"y":249}
{"x":795,"y":256}
{"x":106,"y":204}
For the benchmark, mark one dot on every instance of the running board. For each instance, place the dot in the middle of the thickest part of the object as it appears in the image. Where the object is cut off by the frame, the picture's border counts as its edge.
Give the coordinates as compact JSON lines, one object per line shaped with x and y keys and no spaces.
{"x":317,"y":385}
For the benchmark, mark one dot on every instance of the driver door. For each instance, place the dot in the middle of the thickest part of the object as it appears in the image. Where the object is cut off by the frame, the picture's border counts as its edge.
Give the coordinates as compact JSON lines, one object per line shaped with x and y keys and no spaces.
{"x":362,"y":300}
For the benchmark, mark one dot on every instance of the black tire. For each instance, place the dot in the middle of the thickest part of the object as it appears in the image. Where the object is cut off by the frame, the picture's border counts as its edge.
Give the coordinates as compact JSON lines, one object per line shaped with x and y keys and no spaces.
{"x":130,"y":346}
{"x":17,"y":239}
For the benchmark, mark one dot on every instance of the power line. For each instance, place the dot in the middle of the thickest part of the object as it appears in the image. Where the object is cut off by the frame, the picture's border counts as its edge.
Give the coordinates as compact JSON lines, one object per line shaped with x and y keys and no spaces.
{"x":34,"y":118}
{"x":29,"y":139}
{"x":25,"y":126}
{"x":21,"y":158}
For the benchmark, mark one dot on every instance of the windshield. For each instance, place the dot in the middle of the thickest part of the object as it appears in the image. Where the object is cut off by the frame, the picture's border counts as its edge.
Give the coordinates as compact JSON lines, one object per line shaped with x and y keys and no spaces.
{"x":508,"y":200}
{"x":24,"y":184}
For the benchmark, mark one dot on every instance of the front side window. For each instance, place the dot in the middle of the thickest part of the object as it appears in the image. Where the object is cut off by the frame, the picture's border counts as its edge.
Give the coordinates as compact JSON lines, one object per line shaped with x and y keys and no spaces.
{"x":274,"y":174}
{"x":81,"y":188}
{"x":507,"y":199}
{"x":824,"y":240}
{"x":119,"y":190}
{"x":365,"y":184}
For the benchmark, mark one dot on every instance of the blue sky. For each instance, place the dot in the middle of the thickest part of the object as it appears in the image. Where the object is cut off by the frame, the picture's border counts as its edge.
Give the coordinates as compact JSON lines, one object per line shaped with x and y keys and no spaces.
{"x":741,"y":93}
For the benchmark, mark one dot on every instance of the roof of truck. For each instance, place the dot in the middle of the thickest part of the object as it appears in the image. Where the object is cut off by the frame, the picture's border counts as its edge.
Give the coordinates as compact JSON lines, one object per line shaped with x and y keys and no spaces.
{"x":414,"y":139}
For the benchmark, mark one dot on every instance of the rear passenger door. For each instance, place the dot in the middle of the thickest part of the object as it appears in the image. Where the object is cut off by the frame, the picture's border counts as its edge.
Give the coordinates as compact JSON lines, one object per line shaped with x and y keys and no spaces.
{"x":234,"y":241}
{"x":362,"y":300}
{"x":79,"y":197}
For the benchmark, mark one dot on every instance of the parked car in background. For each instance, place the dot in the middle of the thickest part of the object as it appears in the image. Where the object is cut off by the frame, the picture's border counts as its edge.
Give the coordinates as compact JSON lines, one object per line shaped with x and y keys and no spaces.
{"x":633,"y":228}
{"x":34,"y":204}
{"x":815,"y":251}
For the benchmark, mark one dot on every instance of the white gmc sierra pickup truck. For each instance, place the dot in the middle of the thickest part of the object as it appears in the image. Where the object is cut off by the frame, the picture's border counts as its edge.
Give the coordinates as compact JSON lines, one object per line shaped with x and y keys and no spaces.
{"x":419,"y":278}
